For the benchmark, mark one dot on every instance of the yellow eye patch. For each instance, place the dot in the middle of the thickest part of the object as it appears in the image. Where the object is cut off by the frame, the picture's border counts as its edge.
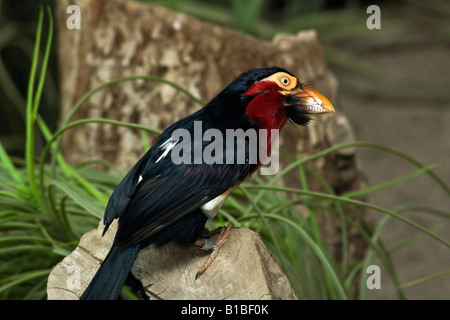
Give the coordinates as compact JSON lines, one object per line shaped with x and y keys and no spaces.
{"x":283,"y":80}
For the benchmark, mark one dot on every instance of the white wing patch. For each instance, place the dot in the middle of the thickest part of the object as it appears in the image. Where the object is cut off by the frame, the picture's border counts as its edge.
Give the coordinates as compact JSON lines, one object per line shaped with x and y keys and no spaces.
{"x":167,"y":146}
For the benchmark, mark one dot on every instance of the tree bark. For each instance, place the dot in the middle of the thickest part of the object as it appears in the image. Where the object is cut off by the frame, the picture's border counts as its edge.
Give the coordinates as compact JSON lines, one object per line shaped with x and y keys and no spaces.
{"x":121,"y":38}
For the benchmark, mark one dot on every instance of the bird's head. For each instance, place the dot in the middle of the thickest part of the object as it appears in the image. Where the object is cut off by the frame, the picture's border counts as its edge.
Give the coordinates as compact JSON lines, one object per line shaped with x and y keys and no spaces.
{"x":271,"y":96}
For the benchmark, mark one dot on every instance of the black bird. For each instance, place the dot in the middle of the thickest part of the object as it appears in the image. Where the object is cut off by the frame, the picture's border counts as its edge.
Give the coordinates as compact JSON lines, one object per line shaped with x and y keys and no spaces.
{"x":170,"y":192}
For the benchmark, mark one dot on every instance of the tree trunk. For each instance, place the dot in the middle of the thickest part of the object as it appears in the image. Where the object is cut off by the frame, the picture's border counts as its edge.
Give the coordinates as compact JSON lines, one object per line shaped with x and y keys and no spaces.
{"x":121,"y":38}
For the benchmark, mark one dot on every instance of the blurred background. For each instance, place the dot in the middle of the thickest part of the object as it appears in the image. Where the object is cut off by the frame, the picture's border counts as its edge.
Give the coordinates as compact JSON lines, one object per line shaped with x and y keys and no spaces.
{"x":393,"y":87}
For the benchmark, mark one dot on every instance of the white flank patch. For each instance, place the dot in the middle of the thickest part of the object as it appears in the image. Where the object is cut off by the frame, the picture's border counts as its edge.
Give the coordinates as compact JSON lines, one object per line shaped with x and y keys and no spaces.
{"x":211,"y":208}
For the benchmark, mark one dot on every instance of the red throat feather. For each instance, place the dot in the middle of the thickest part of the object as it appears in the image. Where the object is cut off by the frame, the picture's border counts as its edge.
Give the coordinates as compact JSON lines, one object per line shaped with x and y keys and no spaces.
{"x":266,"y":110}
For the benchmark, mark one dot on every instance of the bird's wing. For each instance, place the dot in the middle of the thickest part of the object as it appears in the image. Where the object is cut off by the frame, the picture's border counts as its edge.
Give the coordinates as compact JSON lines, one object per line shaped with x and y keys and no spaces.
{"x":156,"y":192}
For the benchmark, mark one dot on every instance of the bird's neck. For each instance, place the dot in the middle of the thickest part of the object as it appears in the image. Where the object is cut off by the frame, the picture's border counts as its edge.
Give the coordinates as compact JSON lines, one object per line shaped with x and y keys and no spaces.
{"x":267,"y":110}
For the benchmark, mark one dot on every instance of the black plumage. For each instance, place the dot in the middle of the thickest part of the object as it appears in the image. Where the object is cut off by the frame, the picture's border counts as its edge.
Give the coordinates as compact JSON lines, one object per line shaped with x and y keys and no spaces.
{"x":165,"y":204}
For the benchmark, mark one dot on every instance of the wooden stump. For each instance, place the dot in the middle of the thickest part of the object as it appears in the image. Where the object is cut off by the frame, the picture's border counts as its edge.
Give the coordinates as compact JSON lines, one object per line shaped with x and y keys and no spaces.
{"x":243,"y":270}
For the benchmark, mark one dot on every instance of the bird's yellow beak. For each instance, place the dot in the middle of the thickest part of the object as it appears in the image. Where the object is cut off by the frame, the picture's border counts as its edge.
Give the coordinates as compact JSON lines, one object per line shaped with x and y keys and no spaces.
{"x":312,"y":101}
{"x":315,"y":102}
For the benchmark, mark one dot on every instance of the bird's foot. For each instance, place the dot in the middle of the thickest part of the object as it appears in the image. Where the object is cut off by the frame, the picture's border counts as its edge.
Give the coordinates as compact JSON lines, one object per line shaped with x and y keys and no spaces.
{"x":207,"y":244}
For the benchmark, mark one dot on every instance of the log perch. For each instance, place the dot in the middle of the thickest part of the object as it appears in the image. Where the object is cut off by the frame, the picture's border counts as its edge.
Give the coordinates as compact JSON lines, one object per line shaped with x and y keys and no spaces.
{"x":243,"y":270}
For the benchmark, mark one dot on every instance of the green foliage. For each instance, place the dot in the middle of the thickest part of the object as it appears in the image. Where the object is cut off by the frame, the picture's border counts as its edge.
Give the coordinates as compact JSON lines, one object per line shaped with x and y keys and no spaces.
{"x":41,"y":220}
{"x":46,"y":205}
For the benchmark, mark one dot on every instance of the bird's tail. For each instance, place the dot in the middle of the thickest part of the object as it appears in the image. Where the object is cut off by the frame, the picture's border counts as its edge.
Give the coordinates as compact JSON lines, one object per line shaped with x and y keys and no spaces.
{"x":112,"y":275}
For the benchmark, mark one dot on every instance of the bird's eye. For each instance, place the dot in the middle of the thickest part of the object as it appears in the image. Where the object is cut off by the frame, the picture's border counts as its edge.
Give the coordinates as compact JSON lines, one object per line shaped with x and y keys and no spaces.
{"x":285,"y":81}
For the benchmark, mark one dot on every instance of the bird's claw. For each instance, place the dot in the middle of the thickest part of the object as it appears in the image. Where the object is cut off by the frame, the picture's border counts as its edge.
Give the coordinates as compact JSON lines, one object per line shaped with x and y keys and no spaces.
{"x":206,"y":244}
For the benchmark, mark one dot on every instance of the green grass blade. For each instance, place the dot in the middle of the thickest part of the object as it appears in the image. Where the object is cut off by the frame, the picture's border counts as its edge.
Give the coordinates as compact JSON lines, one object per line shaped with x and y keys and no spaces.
{"x":7,"y":164}
{"x":124,"y":79}
{"x":67,"y":168}
{"x":29,"y":146}
{"x":427,"y":278}
{"x":38,"y":93}
{"x":335,"y":148}
{"x":357,"y":203}
{"x":23,"y":277}
{"x":363,"y":192}
{"x":86,"y":96}
{"x":319,"y":252}
{"x":80,"y":198}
